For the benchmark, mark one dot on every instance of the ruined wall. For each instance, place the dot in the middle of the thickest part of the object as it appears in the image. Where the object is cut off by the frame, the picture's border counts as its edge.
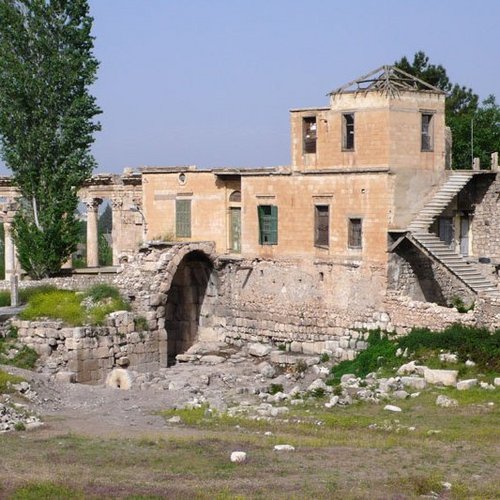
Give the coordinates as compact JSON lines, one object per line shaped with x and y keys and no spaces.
{"x":90,"y":353}
{"x":486,"y":222}
{"x":413,"y":274}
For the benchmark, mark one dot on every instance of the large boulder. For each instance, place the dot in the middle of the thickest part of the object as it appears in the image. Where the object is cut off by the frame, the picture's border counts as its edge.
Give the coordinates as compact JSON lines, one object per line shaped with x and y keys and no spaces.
{"x":441,"y":377}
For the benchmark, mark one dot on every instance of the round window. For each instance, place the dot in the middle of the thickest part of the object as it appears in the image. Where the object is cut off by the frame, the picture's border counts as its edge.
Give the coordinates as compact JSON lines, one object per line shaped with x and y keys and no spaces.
{"x":182,"y":179}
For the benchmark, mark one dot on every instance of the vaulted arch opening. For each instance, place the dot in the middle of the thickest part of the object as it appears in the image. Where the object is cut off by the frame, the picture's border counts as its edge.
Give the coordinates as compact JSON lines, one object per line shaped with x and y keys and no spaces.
{"x":189,"y":303}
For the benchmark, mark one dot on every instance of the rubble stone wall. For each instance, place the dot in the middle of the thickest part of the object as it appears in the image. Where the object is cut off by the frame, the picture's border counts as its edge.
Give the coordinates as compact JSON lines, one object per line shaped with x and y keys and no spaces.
{"x":89,"y":353}
{"x":413,"y":274}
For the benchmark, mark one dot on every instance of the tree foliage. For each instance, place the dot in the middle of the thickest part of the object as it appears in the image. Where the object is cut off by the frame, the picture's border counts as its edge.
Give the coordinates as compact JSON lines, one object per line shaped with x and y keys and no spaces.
{"x":462,"y":110}
{"x":46,"y":122}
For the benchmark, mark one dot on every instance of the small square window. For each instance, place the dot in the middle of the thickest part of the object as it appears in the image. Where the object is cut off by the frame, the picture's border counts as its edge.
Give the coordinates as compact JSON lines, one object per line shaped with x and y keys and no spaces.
{"x":427,"y":132}
{"x":355,"y":233}
{"x":321,"y":225}
{"x":309,"y":130}
{"x":268,"y":224}
{"x":348,"y":131}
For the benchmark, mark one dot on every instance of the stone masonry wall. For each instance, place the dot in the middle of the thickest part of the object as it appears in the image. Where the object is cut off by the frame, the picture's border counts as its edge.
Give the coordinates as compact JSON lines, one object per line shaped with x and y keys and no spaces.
{"x":413,"y":274}
{"x":89,"y":353}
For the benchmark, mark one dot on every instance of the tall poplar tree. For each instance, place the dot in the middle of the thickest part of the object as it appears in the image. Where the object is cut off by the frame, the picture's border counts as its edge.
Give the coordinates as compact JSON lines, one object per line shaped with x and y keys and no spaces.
{"x":46,"y":122}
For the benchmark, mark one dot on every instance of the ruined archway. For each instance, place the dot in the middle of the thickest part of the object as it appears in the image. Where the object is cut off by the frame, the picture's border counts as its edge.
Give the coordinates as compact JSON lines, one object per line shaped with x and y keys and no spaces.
{"x":189,"y":303}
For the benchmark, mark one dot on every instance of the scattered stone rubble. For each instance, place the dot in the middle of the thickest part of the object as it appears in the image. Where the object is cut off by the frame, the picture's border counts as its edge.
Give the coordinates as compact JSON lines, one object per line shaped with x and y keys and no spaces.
{"x":15,"y":415}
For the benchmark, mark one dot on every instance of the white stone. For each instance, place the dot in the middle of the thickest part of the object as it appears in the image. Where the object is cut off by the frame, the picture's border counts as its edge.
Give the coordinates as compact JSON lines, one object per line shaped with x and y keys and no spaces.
{"x":212,"y":359}
{"x":444,"y":377}
{"x":266,"y":370}
{"x":346,"y":377}
{"x":447,"y":357}
{"x":238,"y":457}
{"x":470,"y":363}
{"x":119,"y":378}
{"x":392,"y":408}
{"x":317,"y":384}
{"x":284,"y":447}
{"x":414,"y":382}
{"x":445,"y":401}
{"x":259,"y":350}
{"x":400,"y":394}
{"x":463,"y":385}
{"x":174,"y":420}
{"x":496,"y":381}
{"x":66,"y":377}
{"x":407,"y":368}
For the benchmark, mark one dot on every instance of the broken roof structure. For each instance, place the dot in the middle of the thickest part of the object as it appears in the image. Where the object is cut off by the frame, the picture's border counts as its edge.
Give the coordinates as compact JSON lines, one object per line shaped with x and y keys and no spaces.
{"x":389,"y":80}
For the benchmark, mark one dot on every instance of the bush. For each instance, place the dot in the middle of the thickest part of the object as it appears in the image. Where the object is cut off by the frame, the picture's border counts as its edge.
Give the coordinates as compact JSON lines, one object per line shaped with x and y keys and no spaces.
{"x":478,"y":344}
{"x":26,"y":358}
{"x":141,"y":324}
{"x":102,"y":291}
{"x":380,"y":352}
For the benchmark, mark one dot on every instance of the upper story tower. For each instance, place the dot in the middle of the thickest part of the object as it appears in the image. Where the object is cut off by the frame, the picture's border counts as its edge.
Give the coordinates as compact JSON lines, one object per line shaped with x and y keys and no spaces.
{"x":385,"y":118}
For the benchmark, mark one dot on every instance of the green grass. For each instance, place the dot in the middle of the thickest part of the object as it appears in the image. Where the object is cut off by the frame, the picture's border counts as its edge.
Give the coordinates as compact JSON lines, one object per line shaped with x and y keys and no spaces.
{"x":66,"y":305}
{"x":6,"y":379}
{"x":424,"y":345}
{"x":45,"y":490}
{"x":55,"y":304}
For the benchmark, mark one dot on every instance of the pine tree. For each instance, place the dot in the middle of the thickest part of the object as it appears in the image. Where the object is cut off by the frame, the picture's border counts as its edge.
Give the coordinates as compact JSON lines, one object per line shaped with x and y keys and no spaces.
{"x":46,"y":122}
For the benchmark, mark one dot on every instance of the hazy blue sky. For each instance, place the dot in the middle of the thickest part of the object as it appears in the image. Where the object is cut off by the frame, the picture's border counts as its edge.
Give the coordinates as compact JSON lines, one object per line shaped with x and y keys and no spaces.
{"x":210,"y":82}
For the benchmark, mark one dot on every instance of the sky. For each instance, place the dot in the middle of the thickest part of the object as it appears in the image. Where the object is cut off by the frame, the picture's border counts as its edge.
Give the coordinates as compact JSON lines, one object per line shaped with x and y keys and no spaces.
{"x":210,"y":82}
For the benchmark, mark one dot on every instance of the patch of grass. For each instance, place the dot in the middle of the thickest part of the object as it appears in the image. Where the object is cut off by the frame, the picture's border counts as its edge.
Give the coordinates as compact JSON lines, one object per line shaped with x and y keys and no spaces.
{"x":45,"y":490}
{"x":460,"y":306}
{"x":6,"y":379}
{"x":55,"y":304}
{"x":4,"y":298}
{"x":324,"y":358}
{"x":102,"y":291}
{"x":275,"y":388}
{"x":141,"y":324}
{"x":380,"y":352}
{"x":66,"y":305}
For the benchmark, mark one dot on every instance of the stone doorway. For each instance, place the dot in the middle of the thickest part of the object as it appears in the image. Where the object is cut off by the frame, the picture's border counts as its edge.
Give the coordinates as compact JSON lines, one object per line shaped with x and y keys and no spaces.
{"x":189,"y":303}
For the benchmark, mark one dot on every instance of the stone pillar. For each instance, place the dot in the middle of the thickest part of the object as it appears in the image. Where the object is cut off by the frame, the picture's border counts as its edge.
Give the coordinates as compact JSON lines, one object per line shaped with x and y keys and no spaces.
{"x":116,"y":232}
{"x":494,"y":161}
{"x":9,"y":250}
{"x":92,"y":234}
{"x":476,"y":164}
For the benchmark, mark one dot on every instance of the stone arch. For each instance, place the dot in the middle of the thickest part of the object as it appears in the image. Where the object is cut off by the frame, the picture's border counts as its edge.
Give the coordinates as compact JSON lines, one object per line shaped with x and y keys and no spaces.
{"x":190,"y":287}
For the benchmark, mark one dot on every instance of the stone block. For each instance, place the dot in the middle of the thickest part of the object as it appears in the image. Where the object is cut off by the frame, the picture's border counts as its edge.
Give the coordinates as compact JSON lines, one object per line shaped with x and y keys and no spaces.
{"x":464,"y":385}
{"x":442,"y":377}
{"x":66,"y":377}
{"x":417,"y":383}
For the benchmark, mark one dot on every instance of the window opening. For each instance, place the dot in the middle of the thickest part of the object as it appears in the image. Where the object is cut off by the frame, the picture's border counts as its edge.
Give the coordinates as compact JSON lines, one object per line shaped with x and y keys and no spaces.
{"x":310,"y":134}
{"x":322,"y":225}
{"x":355,"y":233}
{"x":427,"y":132}
{"x":235,"y":197}
{"x":348,"y":132}
{"x":268,"y":224}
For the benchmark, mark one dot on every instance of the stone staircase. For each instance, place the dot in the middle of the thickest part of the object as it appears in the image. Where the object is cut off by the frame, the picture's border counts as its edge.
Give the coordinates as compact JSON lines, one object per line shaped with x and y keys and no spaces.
{"x":467,"y":272}
{"x":460,"y":267}
{"x":453,"y":185}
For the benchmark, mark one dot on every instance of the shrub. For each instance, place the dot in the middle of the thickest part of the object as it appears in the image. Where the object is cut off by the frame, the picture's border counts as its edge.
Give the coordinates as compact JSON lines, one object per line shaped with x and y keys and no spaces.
{"x":26,"y":358}
{"x":102,"y":291}
{"x":380,"y":352}
{"x":4,"y":298}
{"x":275,"y":388}
{"x":324,"y":358}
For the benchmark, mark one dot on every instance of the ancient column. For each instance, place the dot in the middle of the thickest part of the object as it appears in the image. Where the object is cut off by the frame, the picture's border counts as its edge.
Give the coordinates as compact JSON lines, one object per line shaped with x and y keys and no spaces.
{"x":92,"y":234}
{"x":9,"y":250}
{"x":116,"y":207}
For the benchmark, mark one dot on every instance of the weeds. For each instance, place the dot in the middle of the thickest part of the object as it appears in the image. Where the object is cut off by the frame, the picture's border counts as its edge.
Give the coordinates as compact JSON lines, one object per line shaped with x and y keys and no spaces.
{"x":141,"y":324}
{"x":7,"y":380}
{"x":275,"y":388}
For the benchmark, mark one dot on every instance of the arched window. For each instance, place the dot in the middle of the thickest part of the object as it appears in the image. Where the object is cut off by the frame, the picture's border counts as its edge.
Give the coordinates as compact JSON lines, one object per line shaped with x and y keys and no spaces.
{"x":235,"y":197}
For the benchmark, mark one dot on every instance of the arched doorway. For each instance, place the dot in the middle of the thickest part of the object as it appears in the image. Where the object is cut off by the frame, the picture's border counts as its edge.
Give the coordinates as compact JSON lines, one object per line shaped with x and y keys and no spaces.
{"x":188,"y":302}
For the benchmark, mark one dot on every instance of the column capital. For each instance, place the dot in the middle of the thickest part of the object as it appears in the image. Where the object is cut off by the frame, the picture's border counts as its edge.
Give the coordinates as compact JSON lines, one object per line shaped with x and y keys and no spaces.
{"x":92,"y":204}
{"x":116,"y":203}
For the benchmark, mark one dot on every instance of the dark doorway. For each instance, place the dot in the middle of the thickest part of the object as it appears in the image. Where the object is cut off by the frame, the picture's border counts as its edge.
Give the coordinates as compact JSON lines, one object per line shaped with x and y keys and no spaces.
{"x":185,"y":299}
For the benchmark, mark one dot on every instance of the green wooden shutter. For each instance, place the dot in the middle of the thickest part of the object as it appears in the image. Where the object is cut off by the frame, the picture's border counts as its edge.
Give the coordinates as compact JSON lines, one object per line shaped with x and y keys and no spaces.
{"x":273,"y":230}
{"x":183,"y":218}
{"x":268,"y":224}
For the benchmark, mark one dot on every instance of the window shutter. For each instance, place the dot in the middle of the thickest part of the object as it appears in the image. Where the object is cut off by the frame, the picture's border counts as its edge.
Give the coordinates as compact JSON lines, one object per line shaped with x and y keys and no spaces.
{"x":183,"y":218}
{"x":273,"y":232}
{"x":260,"y":214}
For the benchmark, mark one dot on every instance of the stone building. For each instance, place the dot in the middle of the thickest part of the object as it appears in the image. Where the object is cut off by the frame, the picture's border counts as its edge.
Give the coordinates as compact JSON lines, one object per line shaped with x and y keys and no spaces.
{"x":366,"y":228}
